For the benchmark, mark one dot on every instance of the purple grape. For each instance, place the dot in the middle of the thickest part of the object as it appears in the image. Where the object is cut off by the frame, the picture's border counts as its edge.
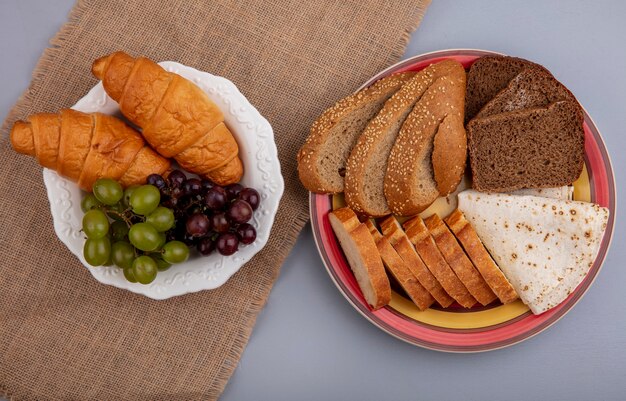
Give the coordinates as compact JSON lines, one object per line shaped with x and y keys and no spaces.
{"x":232,"y":191}
{"x":192,"y":186}
{"x":176,"y":192}
{"x":194,"y":209}
{"x":176,"y":178}
{"x":188,"y":239}
{"x":220,"y":223}
{"x":239,"y":212}
{"x":227,"y":244}
{"x":206,"y":185}
{"x":205,"y":246}
{"x":251,"y":196}
{"x":246,"y":233}
{"x":198,"y":225}
{"x":216,"y":198}
{"x":156,"y":180}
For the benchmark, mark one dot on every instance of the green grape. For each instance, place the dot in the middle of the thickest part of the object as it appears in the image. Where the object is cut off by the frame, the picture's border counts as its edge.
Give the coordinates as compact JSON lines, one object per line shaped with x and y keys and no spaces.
{"x":162,"y":239}
{"x":89,"y":202}
{"x":145,"y":199}
{"x":127,"y":193}
{"x":119,"y":230}
{"x":144,"y":237}
{"x":109,"y":261}
{"x":96,"y":251}
{"x":161,"y":218}
{"x":107,"y":191}
{"x":123,"y":254}
{"x":115,"y":211}
{"x":130,"y":276}
{"x":175,"y":252}
{"x":144,"y":269}
{"x":95,"y":224}
{"x":161,"y":264}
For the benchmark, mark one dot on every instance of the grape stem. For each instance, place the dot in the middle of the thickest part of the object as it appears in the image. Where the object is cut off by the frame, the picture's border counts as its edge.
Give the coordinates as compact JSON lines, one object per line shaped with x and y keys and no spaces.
{"x":122,"y":215}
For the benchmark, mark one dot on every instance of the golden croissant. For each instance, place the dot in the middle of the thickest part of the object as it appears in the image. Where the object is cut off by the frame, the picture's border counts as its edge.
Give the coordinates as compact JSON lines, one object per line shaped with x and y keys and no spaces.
{"x":176,"y":117}
{"x":84,"y":147}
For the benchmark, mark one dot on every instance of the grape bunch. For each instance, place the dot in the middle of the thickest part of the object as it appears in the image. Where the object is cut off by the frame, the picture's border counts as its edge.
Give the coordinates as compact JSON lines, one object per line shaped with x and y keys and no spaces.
{"x":127,"y":228}
{"x":208,"y":217}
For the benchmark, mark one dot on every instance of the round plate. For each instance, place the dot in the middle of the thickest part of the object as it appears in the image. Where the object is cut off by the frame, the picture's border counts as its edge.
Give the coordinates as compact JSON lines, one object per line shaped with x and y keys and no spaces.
{"x":480,"y":328}
{"x":258,"y":153}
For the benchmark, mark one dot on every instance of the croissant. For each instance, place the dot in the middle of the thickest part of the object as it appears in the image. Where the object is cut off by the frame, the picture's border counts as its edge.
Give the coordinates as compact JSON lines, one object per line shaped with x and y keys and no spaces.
{"x":176,"y":117}
{"x":84,"y":147}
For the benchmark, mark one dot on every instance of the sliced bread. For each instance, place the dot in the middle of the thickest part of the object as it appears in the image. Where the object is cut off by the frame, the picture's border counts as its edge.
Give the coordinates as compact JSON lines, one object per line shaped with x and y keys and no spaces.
{"x":398,"y":268}
{"x":393,"y":231}
{"x":322,"y":158}
{"x":532,"y":87}
{"x":483,"y":262}
{"x":488,"y":76}
{"x":429,"y":155}
{"x":363,"y":257}
{"x":427,"y":249}
{"x":530,"y":148}
{"x":367,"y":163}
{"x":458,"y":260}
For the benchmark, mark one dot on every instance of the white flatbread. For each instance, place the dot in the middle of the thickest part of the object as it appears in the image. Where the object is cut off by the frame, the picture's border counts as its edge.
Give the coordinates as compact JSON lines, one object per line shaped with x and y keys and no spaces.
{"x":544,"y":246}
{"x":565,"y":192}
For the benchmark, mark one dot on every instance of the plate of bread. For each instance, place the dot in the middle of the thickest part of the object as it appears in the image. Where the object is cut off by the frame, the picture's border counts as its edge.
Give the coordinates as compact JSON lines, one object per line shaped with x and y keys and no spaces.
{"x":461,"y":200}
{"x":162,"y":180}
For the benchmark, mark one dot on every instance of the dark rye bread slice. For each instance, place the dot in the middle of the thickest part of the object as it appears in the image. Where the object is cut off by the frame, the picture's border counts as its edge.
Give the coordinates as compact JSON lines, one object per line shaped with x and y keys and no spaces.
{"x":488,"y":76}
{"x":532,"y":87}
{"x":367,"y":163}
{"x":530,"y":148}
{"x":322,"y":158}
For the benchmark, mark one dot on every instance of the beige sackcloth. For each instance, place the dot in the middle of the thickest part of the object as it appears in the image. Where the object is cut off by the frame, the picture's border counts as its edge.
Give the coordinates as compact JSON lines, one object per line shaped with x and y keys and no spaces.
{"x":63,"y":335}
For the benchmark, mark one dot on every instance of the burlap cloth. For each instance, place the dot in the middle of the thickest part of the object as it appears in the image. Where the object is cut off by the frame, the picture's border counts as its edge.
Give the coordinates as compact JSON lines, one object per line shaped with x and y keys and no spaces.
{"x":65,"y":336}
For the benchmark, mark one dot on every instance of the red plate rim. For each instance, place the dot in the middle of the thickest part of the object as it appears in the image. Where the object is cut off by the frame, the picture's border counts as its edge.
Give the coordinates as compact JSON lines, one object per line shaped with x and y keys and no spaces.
{"x":603,"y":192}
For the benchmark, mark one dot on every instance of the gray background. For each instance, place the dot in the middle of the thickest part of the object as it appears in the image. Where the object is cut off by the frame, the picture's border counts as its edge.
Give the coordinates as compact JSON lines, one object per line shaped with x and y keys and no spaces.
{"x":309,"y":344}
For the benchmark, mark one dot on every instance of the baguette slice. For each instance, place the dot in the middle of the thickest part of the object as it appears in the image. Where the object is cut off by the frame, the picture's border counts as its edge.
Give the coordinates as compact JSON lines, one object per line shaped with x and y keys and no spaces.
{"x":530,"y":148}
{"x":367,"y":163}
{"x":322,"y":158}
{"x":458,"y":261}
{"x":398,"y":268}
{"x":429,"y":155}
{"x":398,"y":239}
{"x":427,"y":249}
{"x":532,"y":87}
{"x":362,"y":255}
{"x":476,"y":251}
{"x":488,"y":76}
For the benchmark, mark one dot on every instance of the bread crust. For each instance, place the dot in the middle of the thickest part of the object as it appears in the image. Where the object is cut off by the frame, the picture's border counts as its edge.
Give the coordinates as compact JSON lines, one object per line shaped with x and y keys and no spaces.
{"x":429,"y":156}
{"x":420,"y":237}
{"x":375,"y":143}
{"x":363,"y":257}
{"x":458,"y":261}
{"x":396,"y":236}
{"x":398,"y":268}
{"x":312,"y":150}
{"x":475,"y":250}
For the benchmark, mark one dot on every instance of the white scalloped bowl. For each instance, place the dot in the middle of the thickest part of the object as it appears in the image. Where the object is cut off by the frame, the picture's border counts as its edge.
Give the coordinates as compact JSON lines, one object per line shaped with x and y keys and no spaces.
{"x":261,"y":171}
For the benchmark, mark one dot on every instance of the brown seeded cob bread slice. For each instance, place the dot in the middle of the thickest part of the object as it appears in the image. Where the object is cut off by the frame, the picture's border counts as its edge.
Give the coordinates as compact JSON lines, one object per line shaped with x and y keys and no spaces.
{"x":532,"y":87}
{"x":429,"y":155}
{"x":367,"y":163}
{"x":427,"y":249}
{"x":475,"y":250}
{"x":362,"y":255}
{"x":392,"y":230}
{"x":531,"y":148}
{"x":488,"y":76}
{"x":322,"y":158}
{"x":398,"y":268}
{"x":458,"y":260}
